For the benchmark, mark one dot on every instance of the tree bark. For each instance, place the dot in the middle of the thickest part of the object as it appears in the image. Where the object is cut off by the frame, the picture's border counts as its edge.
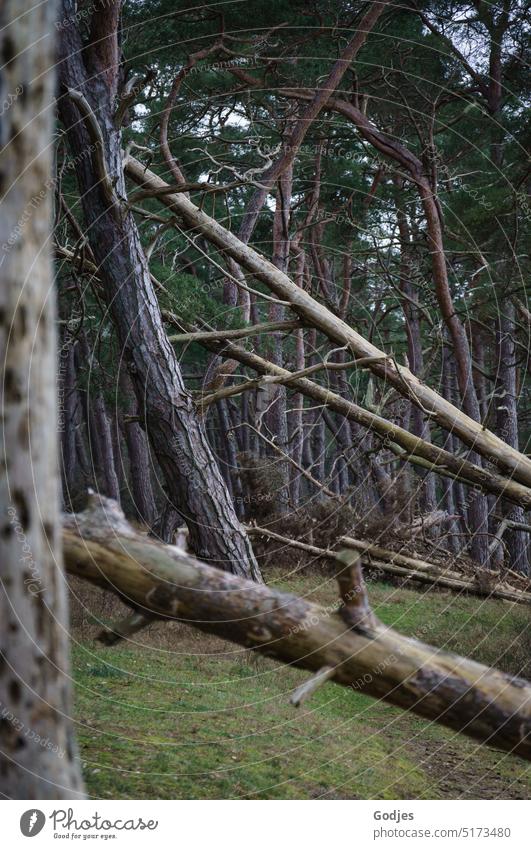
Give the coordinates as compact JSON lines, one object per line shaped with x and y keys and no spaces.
{"x":102,"y":437}
{"x":483,"y":703}
{"x":139,"y":457}
{"x":38,"y":757}
{"x":517,"y":541}
{"x":192,"y":477}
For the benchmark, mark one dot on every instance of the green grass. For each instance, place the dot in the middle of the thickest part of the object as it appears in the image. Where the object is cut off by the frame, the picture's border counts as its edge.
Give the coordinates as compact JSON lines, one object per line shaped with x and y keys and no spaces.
{"x":184,"y":715}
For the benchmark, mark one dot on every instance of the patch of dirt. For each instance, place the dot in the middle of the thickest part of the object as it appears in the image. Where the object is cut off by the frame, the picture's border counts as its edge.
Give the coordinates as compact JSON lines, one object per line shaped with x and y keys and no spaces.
{"x":462,"y":775}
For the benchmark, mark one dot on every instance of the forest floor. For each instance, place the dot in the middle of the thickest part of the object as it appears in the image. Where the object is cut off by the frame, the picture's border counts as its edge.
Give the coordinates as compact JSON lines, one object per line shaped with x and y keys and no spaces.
{"x":176,"y":714}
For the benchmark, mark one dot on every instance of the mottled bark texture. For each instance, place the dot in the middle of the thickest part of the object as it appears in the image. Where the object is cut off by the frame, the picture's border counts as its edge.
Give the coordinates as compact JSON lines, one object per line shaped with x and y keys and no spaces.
{"x":38,"y":757}
{"x":192,"y":477}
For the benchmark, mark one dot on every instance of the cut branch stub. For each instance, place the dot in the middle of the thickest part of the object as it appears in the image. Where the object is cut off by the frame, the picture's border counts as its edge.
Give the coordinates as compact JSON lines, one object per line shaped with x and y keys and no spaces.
{"x":355,"y":610}
{"x":311,"y":685}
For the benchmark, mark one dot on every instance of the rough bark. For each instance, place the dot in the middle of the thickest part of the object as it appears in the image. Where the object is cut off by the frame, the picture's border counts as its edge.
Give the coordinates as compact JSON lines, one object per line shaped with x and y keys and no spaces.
{"x":140,"y":462}
{"x":38,"y":758}
{"x":89,"y":78}
{"x":102,"y":437}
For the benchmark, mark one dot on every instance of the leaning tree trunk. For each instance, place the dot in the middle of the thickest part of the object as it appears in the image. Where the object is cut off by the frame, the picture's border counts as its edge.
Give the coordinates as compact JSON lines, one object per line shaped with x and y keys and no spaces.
{"x":37,"y":744}
{"x":515,"y":466}
{"x":89,"y":77}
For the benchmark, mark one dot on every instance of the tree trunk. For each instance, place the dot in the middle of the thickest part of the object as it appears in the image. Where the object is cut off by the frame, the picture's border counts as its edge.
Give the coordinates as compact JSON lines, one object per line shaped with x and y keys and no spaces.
{"x":507,"y":426}
{"x":68,"y":400}
{"x":103,"y":434}
{"x":178,"y":437}
{"x":38,"y":758}
{"x":275,"y":417}
{"x":139,"y":457}
{"x":360,"y":652}
{"x":419,"y":427}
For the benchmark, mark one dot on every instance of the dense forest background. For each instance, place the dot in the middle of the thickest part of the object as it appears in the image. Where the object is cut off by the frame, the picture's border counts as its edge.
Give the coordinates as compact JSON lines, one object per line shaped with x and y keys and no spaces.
{"x":280,"y":419}
{"x":429,"y":121}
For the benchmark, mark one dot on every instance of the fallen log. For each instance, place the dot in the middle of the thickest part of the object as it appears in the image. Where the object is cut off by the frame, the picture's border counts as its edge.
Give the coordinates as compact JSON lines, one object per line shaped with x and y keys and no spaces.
{"x":449,"y":582}
{"x":402,"y":565}
{"x":472,"y":433}
{"x":409,"y":447}
{"x":474,"y":585}
{"x":486,"y":704}
{"x":425,"y":523}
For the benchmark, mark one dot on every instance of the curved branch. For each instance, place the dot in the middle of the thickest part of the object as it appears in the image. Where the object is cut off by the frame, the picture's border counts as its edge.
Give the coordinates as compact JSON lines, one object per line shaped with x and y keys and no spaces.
{"x":98,"y":146}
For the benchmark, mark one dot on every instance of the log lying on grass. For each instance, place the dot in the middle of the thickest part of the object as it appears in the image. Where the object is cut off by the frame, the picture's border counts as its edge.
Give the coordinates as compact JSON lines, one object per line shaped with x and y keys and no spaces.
{"x":486,"y":704}
{"x":485,"y":583}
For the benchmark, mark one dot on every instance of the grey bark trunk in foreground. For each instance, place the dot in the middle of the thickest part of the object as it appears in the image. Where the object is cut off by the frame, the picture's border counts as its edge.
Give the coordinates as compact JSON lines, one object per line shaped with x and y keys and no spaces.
{"x":37,"y":746}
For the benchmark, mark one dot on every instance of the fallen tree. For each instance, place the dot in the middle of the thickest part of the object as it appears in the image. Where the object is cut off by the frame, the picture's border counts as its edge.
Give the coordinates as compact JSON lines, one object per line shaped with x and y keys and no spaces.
{"x":348,"y":645}
{"x":485,"y":583}
{"x":409,"y":447}
{"x":472,"y":433}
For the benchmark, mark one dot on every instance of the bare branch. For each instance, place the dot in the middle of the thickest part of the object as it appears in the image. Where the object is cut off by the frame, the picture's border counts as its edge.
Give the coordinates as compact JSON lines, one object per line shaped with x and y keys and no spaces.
{"x":96,"y":136}
{"x":242,"y":333}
